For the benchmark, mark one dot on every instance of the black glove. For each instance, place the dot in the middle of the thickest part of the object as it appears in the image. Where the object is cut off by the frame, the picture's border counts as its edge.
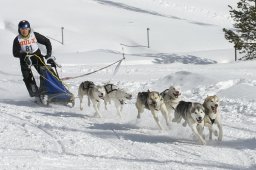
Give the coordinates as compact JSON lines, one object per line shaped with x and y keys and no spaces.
{"x":51,"y":62}
{"x":46,"y":56}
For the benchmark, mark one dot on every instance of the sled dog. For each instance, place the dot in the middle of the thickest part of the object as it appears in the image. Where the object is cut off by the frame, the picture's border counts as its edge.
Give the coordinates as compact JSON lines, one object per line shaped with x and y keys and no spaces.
{"x":193,"y":114}
{"x":212,"y":116}
{"x":154,"y":102}
{"x":117,"y":95}
{"x":172,"y":97}
{"x":94,"y":92}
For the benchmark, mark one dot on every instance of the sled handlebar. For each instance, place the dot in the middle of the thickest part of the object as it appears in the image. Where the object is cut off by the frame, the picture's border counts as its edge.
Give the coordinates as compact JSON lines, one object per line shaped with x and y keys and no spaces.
{"x":28,"y":60}
{"x":58,"y":65}
{"x":30,"y":63}
{"x":54,"y":59}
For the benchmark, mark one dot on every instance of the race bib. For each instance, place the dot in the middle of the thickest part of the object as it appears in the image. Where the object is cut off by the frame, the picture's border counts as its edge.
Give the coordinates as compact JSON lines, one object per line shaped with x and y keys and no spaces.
{"x":28,"y":45}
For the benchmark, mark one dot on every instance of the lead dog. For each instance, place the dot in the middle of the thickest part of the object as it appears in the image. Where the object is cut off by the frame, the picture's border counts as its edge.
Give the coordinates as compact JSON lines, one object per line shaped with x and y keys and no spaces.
{"x":212,"y":116}
{"x":117,"y":95}
{"x":94,"y":92}
{"x":172,"y":97}
{"x":154,"y":102}
{"x":193,"y":114}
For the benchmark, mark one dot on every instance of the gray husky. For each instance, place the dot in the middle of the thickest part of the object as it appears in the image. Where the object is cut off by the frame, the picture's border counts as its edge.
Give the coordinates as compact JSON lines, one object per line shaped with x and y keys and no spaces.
{"x":193,"y":114}
{"x":172,"y":97}
{"x":117,"y":95}
{"x":94,"y":92}
{"x":154,"y":102}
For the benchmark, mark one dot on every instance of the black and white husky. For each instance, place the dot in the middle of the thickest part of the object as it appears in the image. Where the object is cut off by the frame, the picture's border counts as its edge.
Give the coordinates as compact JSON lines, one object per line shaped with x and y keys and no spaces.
{"x":94,"y":92}
{"x":193,"y":114}
{"x":117,"y":95}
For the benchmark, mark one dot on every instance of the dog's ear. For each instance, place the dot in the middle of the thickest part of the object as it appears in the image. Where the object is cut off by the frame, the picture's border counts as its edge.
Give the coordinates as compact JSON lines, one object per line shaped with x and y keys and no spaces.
{"x":207,"y":98}
{"x":215,"y":96}
{"x":192,"y":108}
{"x":203,"y":109}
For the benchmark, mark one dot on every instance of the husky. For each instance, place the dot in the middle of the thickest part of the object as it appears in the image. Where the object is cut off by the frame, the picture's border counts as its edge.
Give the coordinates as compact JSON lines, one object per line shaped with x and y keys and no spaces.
{"x":154,"y":102}
{"x":94,"y":92}
{"x":117,"y":95}
{"x":172,"y":97}
{"x":212,"y":116}
{"x":193,"y":113}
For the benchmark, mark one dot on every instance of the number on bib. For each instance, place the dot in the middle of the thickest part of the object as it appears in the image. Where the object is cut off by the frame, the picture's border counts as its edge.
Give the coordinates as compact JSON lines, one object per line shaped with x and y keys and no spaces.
{"x":28,"y":48}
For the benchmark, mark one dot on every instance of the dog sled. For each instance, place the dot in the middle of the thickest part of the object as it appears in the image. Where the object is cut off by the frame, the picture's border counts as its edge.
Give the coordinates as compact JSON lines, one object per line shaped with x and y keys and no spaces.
{"x":51,"y":89}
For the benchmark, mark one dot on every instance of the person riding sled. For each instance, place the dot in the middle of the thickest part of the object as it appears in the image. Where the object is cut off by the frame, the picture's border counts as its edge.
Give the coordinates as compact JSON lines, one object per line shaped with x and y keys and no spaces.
{"x":26,"y":48}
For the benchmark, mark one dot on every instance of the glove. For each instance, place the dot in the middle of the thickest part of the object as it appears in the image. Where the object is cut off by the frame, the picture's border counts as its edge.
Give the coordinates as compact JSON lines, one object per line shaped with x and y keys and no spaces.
{"x":51,"y":61}
{"x":47,"y":56}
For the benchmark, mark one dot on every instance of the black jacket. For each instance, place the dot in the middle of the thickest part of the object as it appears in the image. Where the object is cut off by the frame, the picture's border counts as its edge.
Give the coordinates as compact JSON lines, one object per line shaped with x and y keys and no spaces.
{"x":16,"y":49}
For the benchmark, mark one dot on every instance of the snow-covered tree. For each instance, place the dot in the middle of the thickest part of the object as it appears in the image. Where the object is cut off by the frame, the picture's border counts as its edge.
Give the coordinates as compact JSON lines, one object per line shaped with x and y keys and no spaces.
{"x":243,"y":36}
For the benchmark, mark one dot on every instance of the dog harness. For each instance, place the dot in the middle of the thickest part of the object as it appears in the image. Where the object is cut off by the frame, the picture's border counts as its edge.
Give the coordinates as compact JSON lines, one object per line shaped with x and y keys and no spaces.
{"x":109,"y":88}
{"x":212,"y":120}
{"x":88,"y":85}
{"x":163,"y":94}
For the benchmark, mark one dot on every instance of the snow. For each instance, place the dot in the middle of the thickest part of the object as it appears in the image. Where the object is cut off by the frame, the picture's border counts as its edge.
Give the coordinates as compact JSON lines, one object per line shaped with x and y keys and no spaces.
{"x":187,"y":49}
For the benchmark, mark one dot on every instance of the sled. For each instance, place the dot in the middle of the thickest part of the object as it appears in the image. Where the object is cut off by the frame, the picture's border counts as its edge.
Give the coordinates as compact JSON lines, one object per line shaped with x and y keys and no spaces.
{"x":52,"y":89}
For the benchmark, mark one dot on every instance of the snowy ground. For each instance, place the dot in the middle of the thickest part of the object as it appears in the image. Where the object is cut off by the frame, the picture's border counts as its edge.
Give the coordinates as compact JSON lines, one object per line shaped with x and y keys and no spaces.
{"x":194,"y":56}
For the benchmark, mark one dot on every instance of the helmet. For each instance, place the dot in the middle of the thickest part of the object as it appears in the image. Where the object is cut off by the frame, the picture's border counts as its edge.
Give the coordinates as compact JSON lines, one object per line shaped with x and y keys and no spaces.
{"x":23,"y":24}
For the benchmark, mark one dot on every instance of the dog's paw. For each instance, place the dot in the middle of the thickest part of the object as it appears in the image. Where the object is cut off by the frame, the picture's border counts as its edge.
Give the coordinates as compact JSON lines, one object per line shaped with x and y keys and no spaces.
{"x":220,"y":138}
{"x":202,"y":142}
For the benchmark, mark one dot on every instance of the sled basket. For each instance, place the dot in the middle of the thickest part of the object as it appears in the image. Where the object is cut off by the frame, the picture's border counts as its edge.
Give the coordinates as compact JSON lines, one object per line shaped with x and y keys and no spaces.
{"x":52,"y":89}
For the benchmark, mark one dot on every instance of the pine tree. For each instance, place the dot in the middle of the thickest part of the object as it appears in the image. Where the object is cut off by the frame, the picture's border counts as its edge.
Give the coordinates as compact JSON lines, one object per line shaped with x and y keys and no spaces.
{"x":243,"y":36}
